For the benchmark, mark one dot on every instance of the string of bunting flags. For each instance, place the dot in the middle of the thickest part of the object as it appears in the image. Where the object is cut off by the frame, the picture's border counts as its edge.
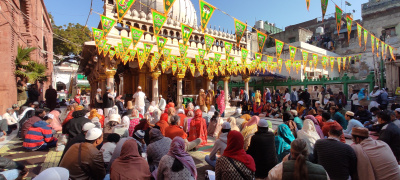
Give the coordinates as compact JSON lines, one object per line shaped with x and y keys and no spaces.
{"x":213,"y":65}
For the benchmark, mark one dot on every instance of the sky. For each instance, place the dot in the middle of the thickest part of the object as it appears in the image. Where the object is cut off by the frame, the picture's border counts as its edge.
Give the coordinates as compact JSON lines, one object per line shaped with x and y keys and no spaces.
{"x":281,"y":12}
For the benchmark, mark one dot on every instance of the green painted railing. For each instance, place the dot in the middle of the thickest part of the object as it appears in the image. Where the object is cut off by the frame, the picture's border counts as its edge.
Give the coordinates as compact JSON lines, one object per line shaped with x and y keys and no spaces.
{"x":345,"y":80}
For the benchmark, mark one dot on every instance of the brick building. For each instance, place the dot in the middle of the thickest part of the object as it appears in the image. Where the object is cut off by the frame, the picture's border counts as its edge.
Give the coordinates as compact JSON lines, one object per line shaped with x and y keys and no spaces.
{"x":23,"y":23}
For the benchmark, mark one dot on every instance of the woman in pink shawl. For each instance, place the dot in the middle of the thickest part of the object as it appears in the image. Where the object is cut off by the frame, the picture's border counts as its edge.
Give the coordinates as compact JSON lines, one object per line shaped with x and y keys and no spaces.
{"x":316,"y":124}
{"x":221,"y":102}
{"x":56,"y":123}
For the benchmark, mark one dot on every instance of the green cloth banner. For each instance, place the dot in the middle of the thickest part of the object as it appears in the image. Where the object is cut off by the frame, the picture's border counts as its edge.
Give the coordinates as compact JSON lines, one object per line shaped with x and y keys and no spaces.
{"x":305,"y":54}
{"x":209,"y":41}
{"x":97,"y":35}
{"x":158,"y":21}
{"x":166,"y":53}
{"x":338,"y":14}
{"x":228,"y":48}
{"x":359,"y":33}
{"x":141,"y":58}
{"x":111,"y":54}
{"x":167,"y":6}
{"x":122,"y":8}
{"x":279,"y":47}
{"x":161,"y":43}
{"x":186,"y":33}
{"x":202,"y":54}
{"x":365,"y":38}
{"x":132,"y":54}
{"x":292,"y":51}
{"x":324,"y":6}
{"x":107,"y":24}
{"x":261,"y":38}
{"x":217,"y":57}
{"x":126,"y":42}
{"x":136,"y":35}
{"x":245,"y":52}
{"x":106,"y":49}
{"x":349,"y":23}
{"x":206,"y":11}
{"x":240,"y":29}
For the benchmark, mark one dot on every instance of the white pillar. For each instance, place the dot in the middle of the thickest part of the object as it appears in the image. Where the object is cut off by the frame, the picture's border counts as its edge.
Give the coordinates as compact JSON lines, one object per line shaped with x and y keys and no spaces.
{"x":226,"y":90}
{"x":179,"y":98}
{"x":155,"y":76}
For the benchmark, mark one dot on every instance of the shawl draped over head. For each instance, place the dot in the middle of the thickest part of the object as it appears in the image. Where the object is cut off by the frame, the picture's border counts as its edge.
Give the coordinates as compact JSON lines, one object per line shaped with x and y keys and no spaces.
{"x":56,"y":124}
{"x":221,"y":102}
{"x":283,"y":140}
{"x":253,"y":120}
{"x":361,"y":94}
{"x":309,"y":134}
{"x":130,"y":165}
{"x":316,"y":125}
{"x":143,"y":125}
{"x":190,"y":107}
{"x":232,"y":122}
{"x":125,"y":122}
{"x":155,"y":135}
{"x":198,"y":128}
{"x":234,"y":150}
{"x":177,"y":151}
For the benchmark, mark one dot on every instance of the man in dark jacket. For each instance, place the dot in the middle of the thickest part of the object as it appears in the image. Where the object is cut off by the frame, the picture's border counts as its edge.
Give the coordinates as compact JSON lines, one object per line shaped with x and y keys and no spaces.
{"x":74,"y":126}
{"x":120,"y":104}
{"x":262,"y":149}
{"x":389,"y":133}
{"x":363,"y":115}
{"x":51,"y":98}
{"x":108,"y":101}
{"x":33,"y":93}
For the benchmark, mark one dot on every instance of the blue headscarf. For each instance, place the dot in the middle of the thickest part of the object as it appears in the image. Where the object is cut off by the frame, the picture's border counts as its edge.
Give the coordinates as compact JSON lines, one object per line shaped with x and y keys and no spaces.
{"x":361,"y":94}
{"x":282,"y":141}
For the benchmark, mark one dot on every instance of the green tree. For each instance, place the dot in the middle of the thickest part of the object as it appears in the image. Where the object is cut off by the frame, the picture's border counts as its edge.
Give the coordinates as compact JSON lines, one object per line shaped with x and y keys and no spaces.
{"x":69,"y":39}
{"x":27,"y":68}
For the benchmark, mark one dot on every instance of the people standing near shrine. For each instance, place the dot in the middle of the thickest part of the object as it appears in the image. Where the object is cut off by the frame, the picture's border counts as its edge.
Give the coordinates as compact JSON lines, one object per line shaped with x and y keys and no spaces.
{"x":139,"y":100}
{"x":257,"y":97}
{"x":161,"y":103}
{"x":314,"y":96}
{"x":119,"y":102}
{"x":268,"y":95}
{"x":294,"y":96}
{"x":221,"y":103}
{"x":98,"y":103}
{"x":210,"y":98}
{"x":201,"y":99}
{"x":108,"y":102}
{"x":287,"y":95}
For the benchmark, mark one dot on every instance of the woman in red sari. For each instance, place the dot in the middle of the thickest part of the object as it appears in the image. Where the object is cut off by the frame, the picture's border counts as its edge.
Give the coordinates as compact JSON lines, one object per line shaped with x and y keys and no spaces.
{"x":198,"y":128}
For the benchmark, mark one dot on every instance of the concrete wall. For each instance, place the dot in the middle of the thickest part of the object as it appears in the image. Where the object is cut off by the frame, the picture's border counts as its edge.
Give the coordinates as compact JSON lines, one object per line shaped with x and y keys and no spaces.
{"x":14,"y":31}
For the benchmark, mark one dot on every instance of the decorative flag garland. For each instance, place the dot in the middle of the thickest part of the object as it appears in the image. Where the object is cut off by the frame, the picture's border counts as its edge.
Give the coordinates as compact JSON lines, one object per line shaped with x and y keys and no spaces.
{"x":106,"y":49}
{"x":161,"y":43}
{"x":136,"y":35}
{"x":373,"y":44}
{"x":97,"y":35}
{"x":359,"y":29}
{"x":126,"y":42}
{"x":202,"y":53}
{"x":315,"y":60}
{"x":365,"y":39}
{"x":111,"y":54}
{"x":332,"y":62}
{"x":292,"y":51}
{"x":122,"y":8}
{"x":324,"y":6}
{"x":228,"y":48}
{"x":167,"y":6}
{"x":344,"y":62}
{"x":308,"y":5}
{"x":339,"y":61}
{"x":244,"y":55}
{"x":183,"y":50}
{"x":102,"y":43}
{"x":209,"y":41}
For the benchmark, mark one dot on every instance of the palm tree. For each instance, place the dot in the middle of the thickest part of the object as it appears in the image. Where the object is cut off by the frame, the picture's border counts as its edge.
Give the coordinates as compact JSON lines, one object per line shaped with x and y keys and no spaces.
{"x":27,"y":68}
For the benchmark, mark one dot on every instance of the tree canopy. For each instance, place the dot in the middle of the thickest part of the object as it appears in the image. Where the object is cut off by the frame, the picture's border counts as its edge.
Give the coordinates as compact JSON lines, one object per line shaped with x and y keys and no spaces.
{"x":76,"y":33}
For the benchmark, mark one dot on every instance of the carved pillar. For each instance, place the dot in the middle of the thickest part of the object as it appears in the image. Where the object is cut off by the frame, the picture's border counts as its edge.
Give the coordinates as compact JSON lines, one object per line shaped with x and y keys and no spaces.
{"x":209,"y":81}
{"x":110,"y":79}
{"x":154,"y":77}
{"x":179,"y":98}
{"x":246,"y":80}
{"x":226,"y":90}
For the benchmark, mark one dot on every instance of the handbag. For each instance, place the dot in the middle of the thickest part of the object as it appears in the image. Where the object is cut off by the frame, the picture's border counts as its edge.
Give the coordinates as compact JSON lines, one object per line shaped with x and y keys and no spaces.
{"x":237,"y":169}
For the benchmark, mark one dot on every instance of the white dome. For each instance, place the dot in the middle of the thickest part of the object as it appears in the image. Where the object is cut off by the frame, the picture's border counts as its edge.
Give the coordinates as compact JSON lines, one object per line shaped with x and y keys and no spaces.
{"x":182,"y":10}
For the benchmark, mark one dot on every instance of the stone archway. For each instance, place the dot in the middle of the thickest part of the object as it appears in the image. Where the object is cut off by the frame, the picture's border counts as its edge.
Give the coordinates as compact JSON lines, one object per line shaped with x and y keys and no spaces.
{"x":60,"y":86}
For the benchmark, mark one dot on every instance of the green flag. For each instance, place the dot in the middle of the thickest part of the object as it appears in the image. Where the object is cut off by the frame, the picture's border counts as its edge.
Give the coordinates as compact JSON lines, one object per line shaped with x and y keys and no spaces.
{"x":292,"y":51}
{"x":279,"y":47}
{"x":107,"y":24}
{"x":261,"y":38}
{"x":121,"y":50}
{"x":228,"y":48}
{"x":147,"y":50}
{"x":106,"y":49}
{"x":136,"y":35}
{"x":206,"y":11}
{"x":183,"y":49}
{"x":308,"y":5}
{"x":338,"y":13}
{"x":240,"y":29}
{"x":244,"y":54}
{"x":126,"y":42}
{"x":163,"y":66}
{"x":132,"y":54}
{"x":158,"y":21}
{"x":111,"y":54}
{"x":161,"y":43}
{"x":141,"y":59}
{"x":202,"y":53}
{"x":305,"y":54}
{"x":126,"y":59}
{"x":324,"y":6}
{"x":198,"y":60}
{"x":217,"y":57}
{"x":365,"y":38}
{"x":166,"y":53}
{"x":102,"y":43}
{"x":167,"y":5}
{"x":122,"y":8}
{"x":157,"y":57}
{"x":349,"y":22}
{"x":359,"y":33}
{"x":186,"y":33}
{"x":117,"y":53}
{"x":209,"y":40}
{"x":97,"y":35}
{"x":192,"y":68}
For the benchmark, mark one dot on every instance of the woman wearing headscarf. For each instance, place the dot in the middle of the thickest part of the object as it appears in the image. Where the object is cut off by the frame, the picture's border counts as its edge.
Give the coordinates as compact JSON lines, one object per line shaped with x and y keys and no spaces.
{"x":189,"y":117}
{"x":130,"y":165}
{"x":234,"y":162}
{"x":209,"y":98}
{"x":288,"y":120}
{"x":99,"y":118}
{"x":309,"y":134}
{"x":157,"y":149}
{"x":362,"y":98}
{"x":134,"y":121}
{"x":198,"y":128}
{"x":248,"y":131}
{"x":316,"y":125}
{"x":211,"y":111}
{"x":189,"y":107}
{"x":282,"y":141}
{"x":215,"y":125}
{"x":246,"y":118}
{"x":163,"y":123}
{"x":56,"y":124}
{"x":155,"y":117}
{"x":232,"y":122}
{"x":177,"y":164}
{"x":221,"y":103}
{"x":122,"y":129}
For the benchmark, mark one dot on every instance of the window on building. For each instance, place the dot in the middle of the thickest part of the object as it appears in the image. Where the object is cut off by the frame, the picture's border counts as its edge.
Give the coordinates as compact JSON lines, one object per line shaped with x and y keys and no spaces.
{"x":292,"y":39}
{"x":391,"y":31}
